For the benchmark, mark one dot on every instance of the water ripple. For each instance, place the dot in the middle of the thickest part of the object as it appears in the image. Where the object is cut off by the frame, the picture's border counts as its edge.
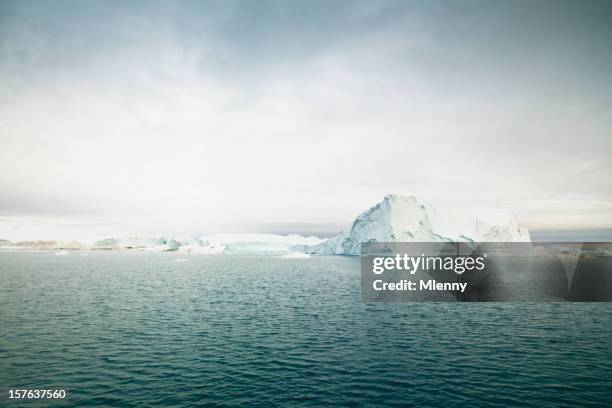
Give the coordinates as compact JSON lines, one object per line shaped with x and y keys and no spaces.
{"x":137,"y":329}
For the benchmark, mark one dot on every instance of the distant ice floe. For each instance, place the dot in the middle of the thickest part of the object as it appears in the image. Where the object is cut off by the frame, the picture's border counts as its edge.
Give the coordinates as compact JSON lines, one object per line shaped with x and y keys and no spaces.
{"x":62,"y":253}
{"x":157,"y":244}
{"x":247,"y":243}
{"x":201,"y":249}
{"x":296,"y":255}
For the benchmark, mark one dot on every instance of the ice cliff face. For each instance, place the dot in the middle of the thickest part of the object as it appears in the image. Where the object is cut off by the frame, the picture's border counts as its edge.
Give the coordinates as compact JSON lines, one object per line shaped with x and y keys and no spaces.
{"x":406,"y":219}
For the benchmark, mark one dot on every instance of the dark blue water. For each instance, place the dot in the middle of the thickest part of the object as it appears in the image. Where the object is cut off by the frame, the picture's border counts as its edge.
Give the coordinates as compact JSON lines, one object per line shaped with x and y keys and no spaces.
{"x":139,"y":329}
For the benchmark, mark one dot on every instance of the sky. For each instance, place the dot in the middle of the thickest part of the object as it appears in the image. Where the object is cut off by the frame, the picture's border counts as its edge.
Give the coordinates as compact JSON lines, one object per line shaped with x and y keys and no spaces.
{"x":269,"y":116}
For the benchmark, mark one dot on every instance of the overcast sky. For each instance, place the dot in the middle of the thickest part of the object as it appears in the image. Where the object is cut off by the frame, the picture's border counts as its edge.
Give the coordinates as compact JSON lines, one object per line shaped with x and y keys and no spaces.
{"x":210,"y":116}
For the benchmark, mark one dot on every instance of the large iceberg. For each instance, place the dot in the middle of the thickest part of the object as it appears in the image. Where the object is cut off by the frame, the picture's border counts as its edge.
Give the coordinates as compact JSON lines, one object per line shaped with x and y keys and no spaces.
{"x":406,"y":219}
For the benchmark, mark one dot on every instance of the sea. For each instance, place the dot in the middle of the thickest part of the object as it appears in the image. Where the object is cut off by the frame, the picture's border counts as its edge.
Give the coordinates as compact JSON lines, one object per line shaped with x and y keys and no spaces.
{"x":138,"y":329}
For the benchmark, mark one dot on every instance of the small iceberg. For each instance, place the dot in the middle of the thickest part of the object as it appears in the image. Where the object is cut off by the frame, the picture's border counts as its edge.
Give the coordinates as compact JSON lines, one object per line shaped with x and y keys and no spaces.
{"x":181,"y":260}
{"x":62,"y":253}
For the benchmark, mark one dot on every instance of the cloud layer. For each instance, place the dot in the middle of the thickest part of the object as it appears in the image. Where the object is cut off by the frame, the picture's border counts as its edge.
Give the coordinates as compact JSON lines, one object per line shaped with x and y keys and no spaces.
{"x":206,"y":116}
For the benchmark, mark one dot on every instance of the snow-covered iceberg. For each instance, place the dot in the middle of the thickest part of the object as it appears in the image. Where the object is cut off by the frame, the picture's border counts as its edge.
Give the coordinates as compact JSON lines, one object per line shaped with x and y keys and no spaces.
{"x":406,"y":219}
